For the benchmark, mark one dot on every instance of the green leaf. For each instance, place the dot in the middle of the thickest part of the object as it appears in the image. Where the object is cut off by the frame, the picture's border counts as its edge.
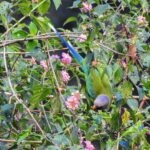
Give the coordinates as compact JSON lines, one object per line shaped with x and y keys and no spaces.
{"x":133,"y":104}
{"x":53,"y":148}
{"x":24,"y":134}
{"x":18,"y":33}
{"x":126,"y":89}
{"x":75,"y":4}
{"x":61,"y":140}
{"x":74,"y":135}
{"x":5,"y":7}
{"x":70,"y":19}
{"x":7,"y":108}
{"x":100,"y":9}
{"x":118,"y":75}
{"x":32,"y":28}
{"x":115,"y":123}
{"x":42,"y":23}
{"x":25,"y":7}
{"x":31,"y":45}
{"x":76,"y":147}
{"x":44,"y":7}
{"x":56,"y":105}
{"x":57,"y":3}
{"x":40,"y":92}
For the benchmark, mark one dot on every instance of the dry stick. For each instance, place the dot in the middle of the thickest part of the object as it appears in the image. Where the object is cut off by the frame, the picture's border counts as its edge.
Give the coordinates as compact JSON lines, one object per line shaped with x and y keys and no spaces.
{"x":39,"y":37}
{"x":135,"y":97}
{"x":47,"y":37}
{"x":112,"y":49}
{"x":44,"y":112}
{"x":117,"y":147}
{"x":15,"y":95}
{"x":22,"y":53}
{"x":143,"y":102}
{"x":56,"y":81}
{"x":24,"y":141}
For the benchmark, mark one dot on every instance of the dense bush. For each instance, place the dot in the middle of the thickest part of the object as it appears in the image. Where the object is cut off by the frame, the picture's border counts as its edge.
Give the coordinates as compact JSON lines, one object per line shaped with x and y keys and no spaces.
{"x":44,"y":92}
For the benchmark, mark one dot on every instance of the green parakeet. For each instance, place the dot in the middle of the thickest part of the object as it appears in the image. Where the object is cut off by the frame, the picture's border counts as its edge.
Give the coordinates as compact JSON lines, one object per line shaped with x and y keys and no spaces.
{"x":98,"y":85}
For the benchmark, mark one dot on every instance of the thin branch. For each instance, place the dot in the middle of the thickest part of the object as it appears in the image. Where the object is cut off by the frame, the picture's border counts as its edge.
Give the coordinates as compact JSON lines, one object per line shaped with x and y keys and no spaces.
{"x":110,"y":49}
{"x":17,"y":98}
{"x":143,"y":102}
{"x":135,"y":97}
{"x":6,"y":43}
{"x":24,"y":141}
{"x":117,"y":146}
{"x":22,"y":53}
{"x":44,"y":112}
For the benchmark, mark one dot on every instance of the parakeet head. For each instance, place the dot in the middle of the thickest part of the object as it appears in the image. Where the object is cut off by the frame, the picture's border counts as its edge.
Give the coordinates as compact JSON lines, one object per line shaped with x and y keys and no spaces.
{"x":101,"y":101}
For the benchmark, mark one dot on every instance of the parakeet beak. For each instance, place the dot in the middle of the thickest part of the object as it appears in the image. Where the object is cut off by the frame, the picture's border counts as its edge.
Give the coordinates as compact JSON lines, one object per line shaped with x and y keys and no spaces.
{"x":93,"y":107}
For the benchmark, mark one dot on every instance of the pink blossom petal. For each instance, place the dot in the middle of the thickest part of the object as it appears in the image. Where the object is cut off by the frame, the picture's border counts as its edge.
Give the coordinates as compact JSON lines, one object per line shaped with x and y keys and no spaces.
{"x":86,"y":7}
{"x":82,"y":38}
{"x":66,"y":58}
{"x":43,"y":63}
{"x":65,"y":76}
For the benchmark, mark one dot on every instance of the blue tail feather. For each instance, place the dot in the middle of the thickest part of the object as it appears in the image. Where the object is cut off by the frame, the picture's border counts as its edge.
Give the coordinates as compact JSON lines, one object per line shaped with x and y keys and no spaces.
{"x":75,"y":54}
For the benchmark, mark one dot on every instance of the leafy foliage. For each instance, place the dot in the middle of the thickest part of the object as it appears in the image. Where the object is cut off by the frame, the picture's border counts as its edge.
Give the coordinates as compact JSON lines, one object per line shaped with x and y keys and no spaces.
{"x":41,"y":110}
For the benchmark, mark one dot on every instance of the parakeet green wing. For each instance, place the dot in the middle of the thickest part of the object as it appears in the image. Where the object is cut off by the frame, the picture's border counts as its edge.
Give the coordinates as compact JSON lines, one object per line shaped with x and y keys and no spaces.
{"x":97,"y":82}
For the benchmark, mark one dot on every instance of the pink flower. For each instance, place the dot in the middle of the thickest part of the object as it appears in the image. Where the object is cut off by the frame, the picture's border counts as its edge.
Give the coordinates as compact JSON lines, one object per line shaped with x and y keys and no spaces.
{"x":141,"y":20}
{"x":66,"y":59}
{"x":86,"y":7}
{"x":43,"y":63}
{"x":87,"y":144}
{"x":124,"y":63}
{"x":73,"y":101}
{"x":65,"y":76}
{"x":54,"y":57}
{"x":82,"y":38}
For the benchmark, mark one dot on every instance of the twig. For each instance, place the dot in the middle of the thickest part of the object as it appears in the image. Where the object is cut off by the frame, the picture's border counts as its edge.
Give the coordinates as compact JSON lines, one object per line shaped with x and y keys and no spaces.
{"x":56,"y":81}
{"x":38,"y":37}
{"x":44,"y":112}
{"x":22,"y":53}
{"x":135,"y":97}
{"x":117,"y":146}
{"x":24,"y":141}
{"x":143,"y":102}
{"x":111,"y":49}
{"x":15,"y":95}
{"x":6,"y":43}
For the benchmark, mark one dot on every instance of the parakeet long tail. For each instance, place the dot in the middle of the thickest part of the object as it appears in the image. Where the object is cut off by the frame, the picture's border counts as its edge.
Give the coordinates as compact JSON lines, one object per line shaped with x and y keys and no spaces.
{"x":75,"y":54}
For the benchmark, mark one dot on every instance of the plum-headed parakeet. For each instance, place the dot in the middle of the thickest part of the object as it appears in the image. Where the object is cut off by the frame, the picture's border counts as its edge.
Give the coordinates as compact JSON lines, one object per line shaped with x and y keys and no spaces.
{"x":98,"y":85}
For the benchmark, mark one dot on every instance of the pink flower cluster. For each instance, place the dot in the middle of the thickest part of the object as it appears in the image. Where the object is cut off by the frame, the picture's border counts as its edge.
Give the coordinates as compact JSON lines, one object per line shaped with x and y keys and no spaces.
{"x":66,"y":58}
{"x":87,"y":144}
{"x":43,"y":63}
{"x":82,"y":38}
{"x":65,"y":75}
{"x":86,"y":7}
{"x":141,"y":20}
{"x":54,"y":57}
{"x":73,"y":101}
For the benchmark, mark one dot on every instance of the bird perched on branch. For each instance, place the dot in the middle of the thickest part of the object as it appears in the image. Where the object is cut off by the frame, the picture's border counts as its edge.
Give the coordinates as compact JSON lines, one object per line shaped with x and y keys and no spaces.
{"x":98,"y":86}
